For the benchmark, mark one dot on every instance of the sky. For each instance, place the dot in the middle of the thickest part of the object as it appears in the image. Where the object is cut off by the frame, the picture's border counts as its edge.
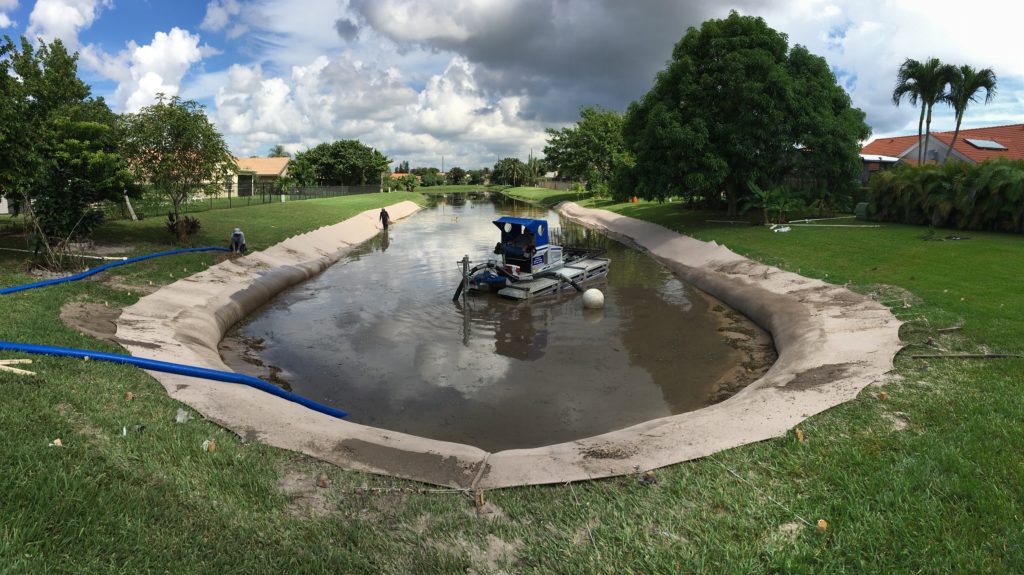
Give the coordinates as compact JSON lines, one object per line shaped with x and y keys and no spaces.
{"x":443,"y":83}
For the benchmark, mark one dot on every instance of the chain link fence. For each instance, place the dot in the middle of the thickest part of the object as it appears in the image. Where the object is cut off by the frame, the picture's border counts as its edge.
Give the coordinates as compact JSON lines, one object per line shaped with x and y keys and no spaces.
{"x":153,"y":204}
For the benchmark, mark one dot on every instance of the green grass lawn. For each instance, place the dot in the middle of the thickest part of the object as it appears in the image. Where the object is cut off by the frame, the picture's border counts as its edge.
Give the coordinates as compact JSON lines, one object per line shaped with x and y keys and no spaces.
{"x":927,"y":481}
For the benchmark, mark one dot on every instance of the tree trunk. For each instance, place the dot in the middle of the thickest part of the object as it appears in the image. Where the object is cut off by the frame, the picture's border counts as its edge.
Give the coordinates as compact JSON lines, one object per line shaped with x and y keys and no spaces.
{"x":956,"y":132}
{"x":927,"y":135}
{"x":920,"y":127}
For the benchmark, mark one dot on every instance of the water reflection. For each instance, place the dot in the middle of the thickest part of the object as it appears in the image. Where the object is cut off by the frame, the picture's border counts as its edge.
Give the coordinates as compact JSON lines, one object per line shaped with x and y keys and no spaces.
{"x":378,"y":336}
{"x":520,"y":331}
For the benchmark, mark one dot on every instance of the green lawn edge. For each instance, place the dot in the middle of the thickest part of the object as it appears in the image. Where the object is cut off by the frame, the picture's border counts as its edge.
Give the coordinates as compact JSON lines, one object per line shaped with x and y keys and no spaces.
{"x":925,"y":481}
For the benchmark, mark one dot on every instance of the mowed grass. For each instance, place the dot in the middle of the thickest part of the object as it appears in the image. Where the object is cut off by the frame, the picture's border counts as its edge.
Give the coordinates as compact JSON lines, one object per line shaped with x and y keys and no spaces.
{"x":927,"y":481}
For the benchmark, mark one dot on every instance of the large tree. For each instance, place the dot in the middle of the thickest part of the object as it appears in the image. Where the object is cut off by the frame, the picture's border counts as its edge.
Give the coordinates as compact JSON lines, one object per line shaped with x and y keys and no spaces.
{"x":923,"y":82}
{"x":172,"y":146}
{"x":736,"y":106}
{"x":341,"y":163}
{"x":456,"y":176}
{"x":509,"y":172}
{"x":590,"y":150}
{"x":963,"y":90}
{"x":58,"y":148}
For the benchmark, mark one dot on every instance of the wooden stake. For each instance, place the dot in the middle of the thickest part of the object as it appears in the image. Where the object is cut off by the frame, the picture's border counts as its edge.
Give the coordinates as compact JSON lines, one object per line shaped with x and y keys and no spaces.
{"x":5,"y":363}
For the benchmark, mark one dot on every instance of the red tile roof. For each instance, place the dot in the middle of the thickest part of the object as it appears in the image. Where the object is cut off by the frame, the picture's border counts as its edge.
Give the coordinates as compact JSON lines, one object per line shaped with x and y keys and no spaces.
{"x":1011,"y":136}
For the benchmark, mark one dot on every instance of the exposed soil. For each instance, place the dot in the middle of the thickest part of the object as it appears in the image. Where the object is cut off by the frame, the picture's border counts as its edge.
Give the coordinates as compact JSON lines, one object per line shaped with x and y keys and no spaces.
{"x":92,"y":318}
{"x":242,"y":355}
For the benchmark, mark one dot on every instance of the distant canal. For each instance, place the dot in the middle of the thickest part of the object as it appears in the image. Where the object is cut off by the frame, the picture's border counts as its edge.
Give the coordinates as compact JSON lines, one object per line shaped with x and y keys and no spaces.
{"x":378,"y":336}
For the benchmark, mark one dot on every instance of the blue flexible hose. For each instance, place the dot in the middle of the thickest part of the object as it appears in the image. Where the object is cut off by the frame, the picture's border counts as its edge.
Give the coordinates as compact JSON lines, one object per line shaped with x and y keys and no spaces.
{"x":177,"y":368}
{"x":97,"y":270}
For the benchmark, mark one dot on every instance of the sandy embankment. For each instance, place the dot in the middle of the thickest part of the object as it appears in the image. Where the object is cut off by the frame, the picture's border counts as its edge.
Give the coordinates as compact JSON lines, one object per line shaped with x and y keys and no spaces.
{"x":831,"y":344}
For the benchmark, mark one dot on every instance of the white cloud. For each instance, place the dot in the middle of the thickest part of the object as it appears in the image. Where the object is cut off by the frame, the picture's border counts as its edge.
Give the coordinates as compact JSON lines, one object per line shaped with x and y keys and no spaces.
{"x":141,"y":72}
{"x":5,"y":7}
{"x":52,"y":19}
{"x":221,"y":13}
{"x":869,"y":41}
{"x":477,"y":80}
{"x":345,"y":98}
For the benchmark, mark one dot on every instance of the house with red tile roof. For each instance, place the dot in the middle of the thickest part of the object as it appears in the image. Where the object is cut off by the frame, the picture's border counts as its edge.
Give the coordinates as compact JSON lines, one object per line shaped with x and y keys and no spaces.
{"x":973,"y":145}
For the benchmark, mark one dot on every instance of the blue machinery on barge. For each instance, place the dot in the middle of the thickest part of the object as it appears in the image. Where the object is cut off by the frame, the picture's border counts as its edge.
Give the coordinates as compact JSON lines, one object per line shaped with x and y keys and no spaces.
{"x":529,"y":265}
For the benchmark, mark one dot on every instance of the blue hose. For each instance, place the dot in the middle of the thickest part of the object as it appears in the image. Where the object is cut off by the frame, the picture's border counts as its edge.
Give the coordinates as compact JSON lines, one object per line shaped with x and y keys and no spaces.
{"x":97,"y":270}
{"x":177,"y":368}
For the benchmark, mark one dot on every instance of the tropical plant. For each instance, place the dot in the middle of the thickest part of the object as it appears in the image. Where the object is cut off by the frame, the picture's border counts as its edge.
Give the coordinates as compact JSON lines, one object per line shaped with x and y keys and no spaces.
{"x":278,"y":151}
{"x":509,"y":172}
{"x":408,"y":182}
{"x":986,"y":196}
{"x":963,"y":90}
{"x":923,"y":82}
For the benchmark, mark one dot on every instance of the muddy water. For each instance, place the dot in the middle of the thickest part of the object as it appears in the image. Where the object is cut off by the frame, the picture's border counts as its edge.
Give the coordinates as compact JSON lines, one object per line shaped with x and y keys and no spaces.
{"x":378,"y":336}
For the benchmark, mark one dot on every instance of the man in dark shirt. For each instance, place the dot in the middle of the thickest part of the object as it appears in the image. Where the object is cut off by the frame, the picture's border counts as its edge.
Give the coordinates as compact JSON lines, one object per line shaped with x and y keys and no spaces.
{"x":384,"y":218}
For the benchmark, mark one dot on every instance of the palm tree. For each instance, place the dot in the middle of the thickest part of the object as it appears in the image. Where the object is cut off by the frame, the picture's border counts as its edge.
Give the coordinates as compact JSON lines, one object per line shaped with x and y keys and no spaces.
{"x":925,"y":82}
{"x":278,"y":151}
{"x":963,"y":90}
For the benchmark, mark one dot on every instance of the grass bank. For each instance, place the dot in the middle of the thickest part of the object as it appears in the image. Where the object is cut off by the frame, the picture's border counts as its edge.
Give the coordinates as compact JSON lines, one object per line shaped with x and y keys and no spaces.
{"x":926,"y":481}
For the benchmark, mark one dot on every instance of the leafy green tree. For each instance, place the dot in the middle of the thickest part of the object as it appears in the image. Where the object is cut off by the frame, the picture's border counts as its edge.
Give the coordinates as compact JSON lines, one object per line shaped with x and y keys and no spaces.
{"x":408,"y":182}
{"x":590,"y":150}
{"x":963,"y":90}
{"x":402,"y":167}
{"x":341,"y":163}
{"x":174,"y":148}
{"x":428,"y":176}
{"x":58,"y":147}
{"x":456,"y":176}
{"x":278,"y":151}
{"x":923,"y":82}
{"x":478,"y":177}
{"x":509,"y":172}
{"x":735,"y":105}
{"x":827,"y":131}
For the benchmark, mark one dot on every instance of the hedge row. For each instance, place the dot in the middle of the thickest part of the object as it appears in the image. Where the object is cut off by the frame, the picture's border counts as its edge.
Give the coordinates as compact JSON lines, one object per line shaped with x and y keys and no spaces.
{"x":986,"y":196}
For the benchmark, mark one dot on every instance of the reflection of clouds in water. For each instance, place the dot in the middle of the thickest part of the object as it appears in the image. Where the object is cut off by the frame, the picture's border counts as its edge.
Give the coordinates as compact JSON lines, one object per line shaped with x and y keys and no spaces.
{"x":674,"y":292}
{"x":466,"y":369}
{"x":380,"y":337}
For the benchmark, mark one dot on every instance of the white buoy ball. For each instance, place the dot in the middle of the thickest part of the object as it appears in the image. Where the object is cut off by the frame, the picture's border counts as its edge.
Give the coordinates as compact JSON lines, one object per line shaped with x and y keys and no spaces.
{"x":593,"y":299}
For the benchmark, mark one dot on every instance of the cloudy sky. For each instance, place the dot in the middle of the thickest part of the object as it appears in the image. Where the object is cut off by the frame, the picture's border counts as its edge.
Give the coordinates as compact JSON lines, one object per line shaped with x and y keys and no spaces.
{"x":473,"y":81}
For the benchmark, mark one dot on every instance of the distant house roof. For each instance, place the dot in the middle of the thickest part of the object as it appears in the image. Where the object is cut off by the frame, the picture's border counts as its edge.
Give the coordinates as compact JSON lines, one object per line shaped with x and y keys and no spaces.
{"x":270,"y":167}
{"x":975,"y":145}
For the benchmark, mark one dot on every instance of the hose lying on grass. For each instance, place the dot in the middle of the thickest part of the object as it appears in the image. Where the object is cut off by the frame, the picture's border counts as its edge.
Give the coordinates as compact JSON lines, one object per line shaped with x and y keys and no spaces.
{"x":176,"y":368}
{"x":97,"y":270}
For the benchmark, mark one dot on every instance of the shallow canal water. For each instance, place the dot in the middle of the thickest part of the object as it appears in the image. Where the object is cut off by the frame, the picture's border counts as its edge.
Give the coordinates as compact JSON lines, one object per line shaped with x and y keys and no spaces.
{"x":379,"y":336}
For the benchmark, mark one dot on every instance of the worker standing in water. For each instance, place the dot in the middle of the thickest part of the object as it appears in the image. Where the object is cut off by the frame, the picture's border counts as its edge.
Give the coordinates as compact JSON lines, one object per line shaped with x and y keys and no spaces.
{"x":384,"y":218}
